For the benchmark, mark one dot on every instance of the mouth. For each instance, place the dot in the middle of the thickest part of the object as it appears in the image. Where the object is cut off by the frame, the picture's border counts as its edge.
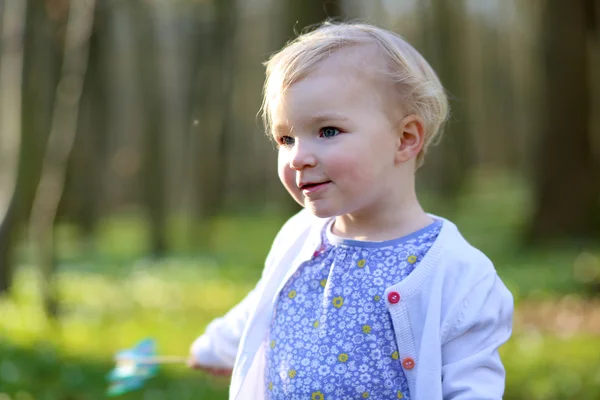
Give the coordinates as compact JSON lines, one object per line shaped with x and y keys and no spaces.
{"x":307,"y":188}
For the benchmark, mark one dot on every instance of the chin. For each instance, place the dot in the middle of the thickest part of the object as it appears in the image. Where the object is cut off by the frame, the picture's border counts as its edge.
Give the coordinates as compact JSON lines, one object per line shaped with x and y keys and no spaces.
{"x":320,"y":212}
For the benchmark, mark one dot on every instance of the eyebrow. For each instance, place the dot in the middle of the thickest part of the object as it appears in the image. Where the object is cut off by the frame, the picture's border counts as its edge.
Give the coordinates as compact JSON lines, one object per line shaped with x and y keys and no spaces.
{"x":315,"y":120}
{"x":319,"y":118}
{"x":281,"y":129}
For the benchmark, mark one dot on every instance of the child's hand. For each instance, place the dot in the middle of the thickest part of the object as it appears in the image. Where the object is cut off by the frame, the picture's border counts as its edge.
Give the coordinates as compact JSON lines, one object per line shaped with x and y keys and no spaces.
{"x":209,"y":370}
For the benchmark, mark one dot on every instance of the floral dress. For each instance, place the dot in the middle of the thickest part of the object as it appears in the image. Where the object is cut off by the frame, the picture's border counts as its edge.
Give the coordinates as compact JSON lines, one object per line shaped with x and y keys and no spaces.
{"x":331,"y":335}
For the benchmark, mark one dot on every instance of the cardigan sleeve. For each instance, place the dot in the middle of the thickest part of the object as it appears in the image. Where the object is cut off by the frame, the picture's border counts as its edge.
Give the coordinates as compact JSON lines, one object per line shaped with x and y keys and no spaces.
{"x":218,"y":346}
{"x":471,"y":365}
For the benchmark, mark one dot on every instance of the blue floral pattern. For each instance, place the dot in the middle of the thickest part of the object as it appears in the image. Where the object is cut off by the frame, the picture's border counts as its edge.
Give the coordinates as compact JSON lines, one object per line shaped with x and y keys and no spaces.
{"x":331,"y":335}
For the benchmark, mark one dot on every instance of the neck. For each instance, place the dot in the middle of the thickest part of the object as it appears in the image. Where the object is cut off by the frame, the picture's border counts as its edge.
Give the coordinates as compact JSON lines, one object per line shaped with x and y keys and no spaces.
{"x":397,"y":218}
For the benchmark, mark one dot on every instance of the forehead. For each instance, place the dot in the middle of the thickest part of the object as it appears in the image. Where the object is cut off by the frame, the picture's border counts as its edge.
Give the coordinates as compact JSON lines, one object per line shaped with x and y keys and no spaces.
{"x":349,"y":79}
{"x":367,"y":58}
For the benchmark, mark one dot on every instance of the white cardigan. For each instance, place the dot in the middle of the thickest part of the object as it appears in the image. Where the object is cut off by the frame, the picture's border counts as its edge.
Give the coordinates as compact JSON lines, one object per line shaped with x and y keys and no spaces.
{"x":453,"y":315}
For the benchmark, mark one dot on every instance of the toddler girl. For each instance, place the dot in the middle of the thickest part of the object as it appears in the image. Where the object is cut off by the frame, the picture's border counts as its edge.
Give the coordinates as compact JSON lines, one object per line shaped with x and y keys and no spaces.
{"x":364,"y":294}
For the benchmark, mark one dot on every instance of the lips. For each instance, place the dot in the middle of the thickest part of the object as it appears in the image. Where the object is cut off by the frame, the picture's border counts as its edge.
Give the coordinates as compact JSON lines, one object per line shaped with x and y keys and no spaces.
{"x":312,"y":187}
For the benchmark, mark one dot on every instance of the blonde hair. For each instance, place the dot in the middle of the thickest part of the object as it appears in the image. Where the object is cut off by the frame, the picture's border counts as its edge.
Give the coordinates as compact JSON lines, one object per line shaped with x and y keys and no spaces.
{"x":420,"y":88}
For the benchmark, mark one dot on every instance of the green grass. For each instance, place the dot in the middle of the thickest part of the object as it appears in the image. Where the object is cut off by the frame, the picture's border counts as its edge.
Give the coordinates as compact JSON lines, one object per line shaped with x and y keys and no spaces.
{"x":112,"y":296}
{"x":549,"y":368}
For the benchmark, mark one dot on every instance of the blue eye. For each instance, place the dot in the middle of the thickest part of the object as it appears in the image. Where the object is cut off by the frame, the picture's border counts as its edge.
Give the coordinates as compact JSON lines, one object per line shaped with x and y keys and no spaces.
{"x":329,"y":131}
{"x":286,"y":141}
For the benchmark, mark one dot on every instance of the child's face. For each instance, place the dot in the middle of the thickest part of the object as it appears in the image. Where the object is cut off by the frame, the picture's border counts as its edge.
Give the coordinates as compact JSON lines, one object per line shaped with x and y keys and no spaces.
{"x":337,"y":145}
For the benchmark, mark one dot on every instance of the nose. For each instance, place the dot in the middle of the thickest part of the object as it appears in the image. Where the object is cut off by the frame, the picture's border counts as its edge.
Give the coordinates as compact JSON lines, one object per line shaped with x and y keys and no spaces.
{"x":301,"y":156}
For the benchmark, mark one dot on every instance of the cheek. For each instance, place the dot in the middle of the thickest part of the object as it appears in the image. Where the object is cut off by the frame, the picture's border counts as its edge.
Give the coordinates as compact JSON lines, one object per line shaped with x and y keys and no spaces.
{"x":350,"y":166}
{"x":286,"y":174}
{"x":356,"y":171}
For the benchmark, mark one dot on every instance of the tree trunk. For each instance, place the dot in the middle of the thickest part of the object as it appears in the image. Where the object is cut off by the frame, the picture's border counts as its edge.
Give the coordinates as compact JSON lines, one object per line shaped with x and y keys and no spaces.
{"x":93,"y":132}
{"x":41,"y":61}
{"x":225,"y":40}
{"x":202,"y":155}
{"x":447,"y":166}
{"x":12,"y":23}
{"x":567,"y":189}
{"x":213,"y":130}
{"x":83,"y":190}
{"x":63,"y":128}
{"x":153,"y":168}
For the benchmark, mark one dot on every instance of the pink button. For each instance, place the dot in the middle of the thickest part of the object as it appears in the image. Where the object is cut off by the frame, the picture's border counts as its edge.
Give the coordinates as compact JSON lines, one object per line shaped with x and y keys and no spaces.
{"x":393,"y":297}
{"x":408,"y":363}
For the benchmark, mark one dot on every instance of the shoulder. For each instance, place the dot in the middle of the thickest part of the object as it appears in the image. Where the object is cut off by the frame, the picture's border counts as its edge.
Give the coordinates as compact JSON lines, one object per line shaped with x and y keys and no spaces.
{"x":462,"y":263}
{"x":471,"y":286}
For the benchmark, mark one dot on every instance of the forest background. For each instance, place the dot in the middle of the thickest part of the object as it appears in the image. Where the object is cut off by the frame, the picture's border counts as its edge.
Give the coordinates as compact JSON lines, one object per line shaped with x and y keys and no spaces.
{"x":138,"y":192}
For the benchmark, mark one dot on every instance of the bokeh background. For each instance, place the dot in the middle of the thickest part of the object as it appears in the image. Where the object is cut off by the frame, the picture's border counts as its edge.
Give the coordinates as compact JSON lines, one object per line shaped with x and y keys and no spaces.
{"x":138,"y":192}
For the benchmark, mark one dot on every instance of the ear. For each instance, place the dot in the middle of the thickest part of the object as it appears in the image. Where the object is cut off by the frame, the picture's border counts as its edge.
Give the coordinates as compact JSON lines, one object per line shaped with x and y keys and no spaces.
{"x":410,"y":138}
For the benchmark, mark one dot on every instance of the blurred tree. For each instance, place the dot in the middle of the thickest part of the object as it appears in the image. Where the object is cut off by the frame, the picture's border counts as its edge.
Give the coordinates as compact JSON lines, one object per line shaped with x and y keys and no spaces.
{"x":63,"y":128}
{"x":497,"y":79}
{"x":41,"y":63}
{"x":12,"y":22}
{"x":444,"y":31}
{"x":80,"y":203}
{"x":90,"y":158}
{"x":211,"y":117}
{"x":299,"y":14}
{"x":567,"y":188}
{"x":152,"y":81}
{"x":213,"y":150}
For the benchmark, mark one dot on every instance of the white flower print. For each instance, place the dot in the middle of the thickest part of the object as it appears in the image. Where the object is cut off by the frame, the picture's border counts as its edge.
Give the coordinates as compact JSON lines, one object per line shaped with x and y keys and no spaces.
{"x":324,"y":370}
{"x":376,"y":354}
{"x":340,"y":368}
{"x":357,"y":339}
{"x":389,"y":335}
{"x":358,"y":273}
{"x":347,"y":346}
{"x":300,"y":298}
{"x":351,"y":324}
